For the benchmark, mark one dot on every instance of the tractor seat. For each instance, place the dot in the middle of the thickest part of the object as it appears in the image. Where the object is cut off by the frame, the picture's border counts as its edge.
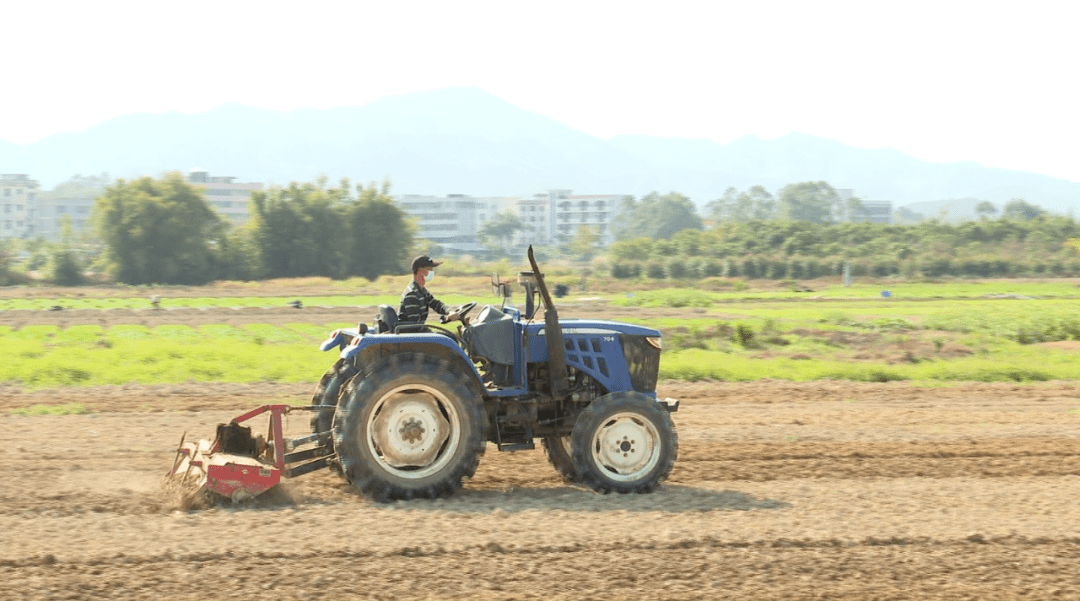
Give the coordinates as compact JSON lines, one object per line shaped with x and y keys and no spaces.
{"x":387,"y":320}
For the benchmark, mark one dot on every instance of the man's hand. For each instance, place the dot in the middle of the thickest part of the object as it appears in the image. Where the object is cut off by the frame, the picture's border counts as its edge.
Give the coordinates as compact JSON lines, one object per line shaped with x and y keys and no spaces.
{"x":453,"y":316}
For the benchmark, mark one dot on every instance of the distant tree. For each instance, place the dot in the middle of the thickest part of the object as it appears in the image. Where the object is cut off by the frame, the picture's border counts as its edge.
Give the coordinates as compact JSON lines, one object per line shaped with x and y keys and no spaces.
{"x":584,"y":245}
{"x":497,"y":234}
{"x":1021,"y":210}
{"x":906,"y":215}
{"x":312,"y":229}
{"x":65,"y":268}
{"x":300,"y":230}
{"x":7,"y":256}
{"x":754,"y":203}
{"x":157,"y":231}
{"x":656,"y":216}
{"x":38,"y":250}
{"x":986,"y":209}
{"x":855,"y":210}
{"x":816,"y":202}
{"x":380,"y":232}
{"x":239,"y":255}
{"x":80,"y":186}
{"x":631,"y":249}
{"x":423,"y":246}
{"x":723,"y":208}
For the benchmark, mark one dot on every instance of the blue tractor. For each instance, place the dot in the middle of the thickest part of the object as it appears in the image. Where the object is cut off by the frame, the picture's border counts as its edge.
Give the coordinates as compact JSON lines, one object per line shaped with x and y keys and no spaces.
{"x":408,"y":410}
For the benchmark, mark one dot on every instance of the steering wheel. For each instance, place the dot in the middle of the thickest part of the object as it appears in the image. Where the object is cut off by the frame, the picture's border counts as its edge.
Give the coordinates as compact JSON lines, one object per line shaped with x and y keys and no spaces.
{"x":461,"y":312}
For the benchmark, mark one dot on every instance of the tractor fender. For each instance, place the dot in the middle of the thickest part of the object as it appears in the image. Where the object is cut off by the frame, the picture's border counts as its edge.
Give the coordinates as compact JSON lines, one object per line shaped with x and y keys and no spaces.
{"x":371,"y":347}
{"x":339,"y":338}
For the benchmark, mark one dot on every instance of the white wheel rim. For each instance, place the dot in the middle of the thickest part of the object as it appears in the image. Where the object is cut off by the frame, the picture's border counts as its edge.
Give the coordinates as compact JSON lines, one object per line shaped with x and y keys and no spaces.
{"x":567,"y":446}
{"x":413,"y":431}
{"x":626,"y":447}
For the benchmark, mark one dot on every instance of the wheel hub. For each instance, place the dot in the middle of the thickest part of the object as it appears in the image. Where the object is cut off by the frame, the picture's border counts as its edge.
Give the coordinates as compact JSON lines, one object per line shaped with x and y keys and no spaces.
{"x":412,"y":431}
{"x":409,"y":430}
{"x":627,"y":446}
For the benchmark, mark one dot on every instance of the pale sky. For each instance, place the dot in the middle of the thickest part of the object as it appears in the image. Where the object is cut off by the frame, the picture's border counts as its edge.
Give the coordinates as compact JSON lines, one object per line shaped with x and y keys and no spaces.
{"x":988,"y":81}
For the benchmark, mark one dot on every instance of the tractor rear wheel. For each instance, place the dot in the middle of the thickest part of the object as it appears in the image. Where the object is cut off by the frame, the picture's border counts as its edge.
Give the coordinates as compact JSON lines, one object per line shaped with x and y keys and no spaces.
{"x":560,"y":454}
{"x":410,"y":427}
{"x":326,"y":395}
{"x":624,"y":442}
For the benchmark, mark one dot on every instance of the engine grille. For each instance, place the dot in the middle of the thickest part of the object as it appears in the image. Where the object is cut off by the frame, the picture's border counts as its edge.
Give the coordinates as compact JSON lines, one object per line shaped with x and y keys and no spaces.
{"x":643,"y":361}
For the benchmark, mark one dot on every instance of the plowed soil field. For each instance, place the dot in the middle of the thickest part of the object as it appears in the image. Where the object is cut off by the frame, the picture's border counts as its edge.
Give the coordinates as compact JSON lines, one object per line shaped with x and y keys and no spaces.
{"x":826,"y":490}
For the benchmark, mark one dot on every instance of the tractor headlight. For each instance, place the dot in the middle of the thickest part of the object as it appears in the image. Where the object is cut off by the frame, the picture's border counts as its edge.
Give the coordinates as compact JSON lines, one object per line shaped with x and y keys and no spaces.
{"x":653,"y":340}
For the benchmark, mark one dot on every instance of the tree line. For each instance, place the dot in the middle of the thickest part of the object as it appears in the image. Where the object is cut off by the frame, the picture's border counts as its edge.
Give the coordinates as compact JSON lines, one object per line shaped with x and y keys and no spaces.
{"x":162,"y":231}
{"x":662,"y":237}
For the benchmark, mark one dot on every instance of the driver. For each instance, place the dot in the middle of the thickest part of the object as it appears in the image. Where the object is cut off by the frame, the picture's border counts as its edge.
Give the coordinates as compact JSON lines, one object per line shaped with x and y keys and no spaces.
{"x":416,"y":300}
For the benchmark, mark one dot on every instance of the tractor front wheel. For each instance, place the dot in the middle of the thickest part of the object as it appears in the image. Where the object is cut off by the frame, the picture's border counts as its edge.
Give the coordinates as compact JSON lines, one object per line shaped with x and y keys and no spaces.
{"x":624,"y":442}
{"x":410,"y":427}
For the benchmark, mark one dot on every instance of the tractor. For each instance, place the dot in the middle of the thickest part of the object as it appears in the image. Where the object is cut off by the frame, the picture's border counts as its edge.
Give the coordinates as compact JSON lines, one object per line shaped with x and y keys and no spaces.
{"x":407,"y":410}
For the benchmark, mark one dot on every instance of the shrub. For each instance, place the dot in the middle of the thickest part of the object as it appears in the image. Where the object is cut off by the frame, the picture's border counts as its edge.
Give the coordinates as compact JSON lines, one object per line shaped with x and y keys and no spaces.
{"x":655,"y":271}
{"x":744,"y":335}
{"x":936,"y":267}
{"x":750,"y":269}
{"x":882,"y":267}
{"x":710,"y":268}
{"x":796,"y":269}
{"x":677,"y":269}
{"x":776,"y":269}
{"x":625,"y":270}
{"x":65,"y":269}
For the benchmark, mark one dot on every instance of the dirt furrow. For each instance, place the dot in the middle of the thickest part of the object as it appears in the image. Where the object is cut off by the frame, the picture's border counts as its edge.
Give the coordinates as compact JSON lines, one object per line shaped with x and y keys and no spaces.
{"x":965,"y":569}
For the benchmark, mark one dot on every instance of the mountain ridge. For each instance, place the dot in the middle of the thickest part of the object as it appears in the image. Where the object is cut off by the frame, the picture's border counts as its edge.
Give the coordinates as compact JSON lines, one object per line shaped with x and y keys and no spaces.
{"x":464,"y":140}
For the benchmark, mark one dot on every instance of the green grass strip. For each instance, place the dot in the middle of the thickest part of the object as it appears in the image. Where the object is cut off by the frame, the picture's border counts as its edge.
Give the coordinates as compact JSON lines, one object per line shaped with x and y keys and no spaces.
{"x":36,"y":410}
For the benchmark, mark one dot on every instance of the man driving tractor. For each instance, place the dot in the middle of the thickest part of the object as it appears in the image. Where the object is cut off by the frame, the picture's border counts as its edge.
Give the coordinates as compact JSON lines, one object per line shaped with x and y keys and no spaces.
{"x":416,"y":299}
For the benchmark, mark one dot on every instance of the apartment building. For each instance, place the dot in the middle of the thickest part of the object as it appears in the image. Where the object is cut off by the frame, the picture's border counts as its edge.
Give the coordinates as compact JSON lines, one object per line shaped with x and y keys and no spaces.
{"x":572,"y":211}
{"x":71,"y":201}
{"x":549,"y":218}
{"x":535,"y":215}
{"x":228,"y":197}
{"x":874,"y":211}
{"x":453,"y":221}
{"x":18,"y":199}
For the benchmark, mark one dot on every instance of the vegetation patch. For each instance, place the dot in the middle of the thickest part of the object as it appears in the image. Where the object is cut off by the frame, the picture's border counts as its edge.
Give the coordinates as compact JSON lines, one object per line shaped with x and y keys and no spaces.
{"x":40,"y":409}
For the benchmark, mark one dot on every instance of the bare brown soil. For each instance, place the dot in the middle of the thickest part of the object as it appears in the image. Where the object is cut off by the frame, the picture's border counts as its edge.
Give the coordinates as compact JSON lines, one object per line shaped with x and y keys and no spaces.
{"x":782,"y":491}
{"x":825,"y":490}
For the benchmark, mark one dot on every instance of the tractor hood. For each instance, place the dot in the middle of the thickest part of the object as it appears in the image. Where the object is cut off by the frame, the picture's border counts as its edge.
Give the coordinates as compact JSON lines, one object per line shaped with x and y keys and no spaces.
{"x":616,"y":354}
{"x":595,"y":326}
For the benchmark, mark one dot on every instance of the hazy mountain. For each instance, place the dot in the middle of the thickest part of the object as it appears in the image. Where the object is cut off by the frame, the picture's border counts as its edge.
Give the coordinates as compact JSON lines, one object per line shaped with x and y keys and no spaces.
{"x":462,"y":140}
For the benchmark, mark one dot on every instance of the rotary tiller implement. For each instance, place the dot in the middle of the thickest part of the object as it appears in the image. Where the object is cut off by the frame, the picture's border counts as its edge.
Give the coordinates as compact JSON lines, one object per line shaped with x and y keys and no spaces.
{"x":240,"y":466}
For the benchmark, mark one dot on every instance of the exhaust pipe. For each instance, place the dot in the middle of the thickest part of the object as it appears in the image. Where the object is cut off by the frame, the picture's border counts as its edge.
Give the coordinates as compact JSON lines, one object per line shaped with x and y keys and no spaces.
{"x":560,"y":379}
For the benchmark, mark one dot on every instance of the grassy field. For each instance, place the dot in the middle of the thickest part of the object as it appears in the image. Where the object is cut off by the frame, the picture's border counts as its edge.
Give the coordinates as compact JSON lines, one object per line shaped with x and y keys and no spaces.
{"x":993,"y":331}
{"x":44,"y":356}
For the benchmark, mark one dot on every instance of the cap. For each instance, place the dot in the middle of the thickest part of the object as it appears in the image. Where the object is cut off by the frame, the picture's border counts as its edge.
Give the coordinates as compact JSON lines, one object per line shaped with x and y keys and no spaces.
{"x":424,"y":262}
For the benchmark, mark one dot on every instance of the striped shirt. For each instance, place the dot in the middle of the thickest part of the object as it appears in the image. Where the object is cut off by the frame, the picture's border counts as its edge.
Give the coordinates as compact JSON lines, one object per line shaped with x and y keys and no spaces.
{"x":415,"y":302}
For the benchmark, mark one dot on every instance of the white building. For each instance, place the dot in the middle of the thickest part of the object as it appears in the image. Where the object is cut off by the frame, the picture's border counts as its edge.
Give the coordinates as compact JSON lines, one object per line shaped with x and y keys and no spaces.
{"x":572,"y":211}
{"x":73,"y":200}
{"x":452,"y":221}
{"x":227,"y":197}
{"x":549,"y":218}
{"x":535,"y":215}
{"x":17,"y":204}
{"x":874,"y":211}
